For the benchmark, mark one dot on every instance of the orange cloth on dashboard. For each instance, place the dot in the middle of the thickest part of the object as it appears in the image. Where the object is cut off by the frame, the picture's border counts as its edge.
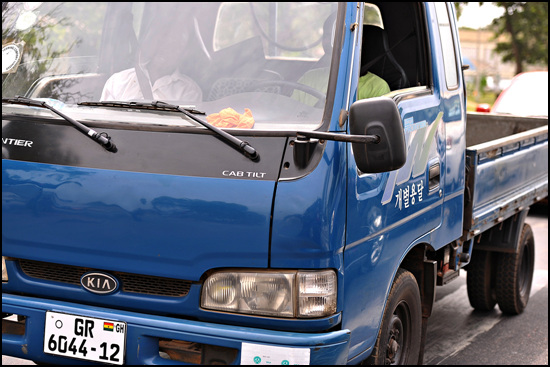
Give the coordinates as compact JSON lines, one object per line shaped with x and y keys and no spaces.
{"x":228,"y":118}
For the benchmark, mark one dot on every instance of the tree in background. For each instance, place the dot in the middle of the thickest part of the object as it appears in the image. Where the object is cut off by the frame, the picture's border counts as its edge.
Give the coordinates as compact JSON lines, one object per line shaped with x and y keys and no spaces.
{"x":458,"y":8}
{"x":526,"y":25}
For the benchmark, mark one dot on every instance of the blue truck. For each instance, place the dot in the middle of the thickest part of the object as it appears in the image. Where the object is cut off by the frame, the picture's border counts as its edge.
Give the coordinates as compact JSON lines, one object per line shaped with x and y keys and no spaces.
{"x":202,"y":184}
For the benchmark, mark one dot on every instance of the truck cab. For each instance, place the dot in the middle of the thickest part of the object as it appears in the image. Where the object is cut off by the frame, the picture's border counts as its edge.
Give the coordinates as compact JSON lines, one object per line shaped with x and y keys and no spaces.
{"x":201,"y":183}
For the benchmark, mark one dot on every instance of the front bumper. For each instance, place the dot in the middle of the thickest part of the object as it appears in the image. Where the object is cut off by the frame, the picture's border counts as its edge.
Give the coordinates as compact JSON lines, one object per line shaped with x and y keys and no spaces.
{"x":144,"y":332}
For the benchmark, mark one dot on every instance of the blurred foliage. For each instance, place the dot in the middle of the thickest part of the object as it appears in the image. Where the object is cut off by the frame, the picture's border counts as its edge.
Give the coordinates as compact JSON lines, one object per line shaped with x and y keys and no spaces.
{"x":484,"y":95}
{"x":50,"y":34}
{"x":526,"y":25}
{"x":489,"y":98}
{"x":36,"y":58}
{"x":458,"y":8}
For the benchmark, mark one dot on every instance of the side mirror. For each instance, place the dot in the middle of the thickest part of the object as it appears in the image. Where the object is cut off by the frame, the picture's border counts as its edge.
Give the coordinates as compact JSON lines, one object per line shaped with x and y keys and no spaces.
{"x":378,"y":116}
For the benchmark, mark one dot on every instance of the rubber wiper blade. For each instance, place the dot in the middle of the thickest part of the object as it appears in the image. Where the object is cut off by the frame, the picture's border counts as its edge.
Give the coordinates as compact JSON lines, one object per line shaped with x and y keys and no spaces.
{"x":140,"y":105}
{"x":244,"y":147}
{"x":101,"y":138}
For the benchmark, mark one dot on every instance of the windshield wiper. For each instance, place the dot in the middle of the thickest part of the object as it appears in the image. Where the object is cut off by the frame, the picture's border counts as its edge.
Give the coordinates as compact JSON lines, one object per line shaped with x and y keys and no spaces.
{"x":101,"y":138}
{"x":243,"y":146}
{"x":142,"y":105}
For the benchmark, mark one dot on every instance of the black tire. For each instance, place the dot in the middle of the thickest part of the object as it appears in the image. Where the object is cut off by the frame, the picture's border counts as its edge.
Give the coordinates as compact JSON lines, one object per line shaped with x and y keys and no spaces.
{"x":515,"y":274}
{"x":481,"y":281}
{"x":400,"y":333}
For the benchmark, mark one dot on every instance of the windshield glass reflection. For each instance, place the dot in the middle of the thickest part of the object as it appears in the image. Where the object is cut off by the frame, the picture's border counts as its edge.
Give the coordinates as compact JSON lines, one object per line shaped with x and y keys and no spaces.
{"x":246,"y":65}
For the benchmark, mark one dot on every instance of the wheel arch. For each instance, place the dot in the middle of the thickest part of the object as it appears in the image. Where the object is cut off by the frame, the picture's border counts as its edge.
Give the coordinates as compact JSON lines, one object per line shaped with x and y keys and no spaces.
{"x":503,"y":236}
{"x":425,"y":273}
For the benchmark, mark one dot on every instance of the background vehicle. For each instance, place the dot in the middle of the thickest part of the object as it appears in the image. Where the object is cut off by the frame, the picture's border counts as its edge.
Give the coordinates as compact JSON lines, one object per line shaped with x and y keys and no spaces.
{"x":303,"y":231}
{"x":527,"y":95}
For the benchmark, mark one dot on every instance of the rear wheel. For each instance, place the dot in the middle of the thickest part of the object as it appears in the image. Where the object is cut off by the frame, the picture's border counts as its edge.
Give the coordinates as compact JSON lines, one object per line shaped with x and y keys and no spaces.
{"x":480,"y":281}
{"x":400,"y":333}
{"x":514,"y":274}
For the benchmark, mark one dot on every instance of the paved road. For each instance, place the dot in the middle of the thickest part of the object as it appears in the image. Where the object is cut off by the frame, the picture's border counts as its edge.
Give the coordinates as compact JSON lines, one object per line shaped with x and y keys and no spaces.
{"x":457,"y":335}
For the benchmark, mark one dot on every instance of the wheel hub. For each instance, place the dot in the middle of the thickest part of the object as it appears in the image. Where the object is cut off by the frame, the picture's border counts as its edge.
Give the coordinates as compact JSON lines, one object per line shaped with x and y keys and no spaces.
{"x":393,"y":351}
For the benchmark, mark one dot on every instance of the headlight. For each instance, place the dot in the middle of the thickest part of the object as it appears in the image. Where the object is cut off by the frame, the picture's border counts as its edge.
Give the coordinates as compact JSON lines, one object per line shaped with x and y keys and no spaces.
{"x":4,"y":271}
{"x":282,"y":294}
{"x":252,"y":293}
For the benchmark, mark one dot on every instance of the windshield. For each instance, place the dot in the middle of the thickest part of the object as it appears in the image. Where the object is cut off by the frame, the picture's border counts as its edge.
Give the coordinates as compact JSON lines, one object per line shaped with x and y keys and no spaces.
{"x":266,"y":64}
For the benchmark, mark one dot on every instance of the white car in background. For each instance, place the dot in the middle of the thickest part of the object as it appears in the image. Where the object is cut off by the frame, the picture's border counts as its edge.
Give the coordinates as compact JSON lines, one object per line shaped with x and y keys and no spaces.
{"x":527,"y":95}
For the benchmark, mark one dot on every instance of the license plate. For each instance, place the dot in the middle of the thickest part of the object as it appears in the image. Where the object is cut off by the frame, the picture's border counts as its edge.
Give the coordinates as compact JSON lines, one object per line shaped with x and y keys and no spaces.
{"x":85,"y":338}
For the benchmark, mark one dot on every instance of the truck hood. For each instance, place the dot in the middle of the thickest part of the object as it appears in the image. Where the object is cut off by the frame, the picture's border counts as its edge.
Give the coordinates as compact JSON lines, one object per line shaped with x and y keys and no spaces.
{"x":134,"y":222}
{"x":84,"y":210}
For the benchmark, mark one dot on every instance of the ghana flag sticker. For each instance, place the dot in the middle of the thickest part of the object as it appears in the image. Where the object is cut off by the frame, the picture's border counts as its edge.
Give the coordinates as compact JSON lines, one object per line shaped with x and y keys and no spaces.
{"x":109,"y":326}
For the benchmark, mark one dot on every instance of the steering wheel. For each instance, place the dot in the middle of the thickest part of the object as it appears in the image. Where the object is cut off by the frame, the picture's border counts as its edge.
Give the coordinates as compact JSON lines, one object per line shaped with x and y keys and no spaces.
{"x":284,"y":83}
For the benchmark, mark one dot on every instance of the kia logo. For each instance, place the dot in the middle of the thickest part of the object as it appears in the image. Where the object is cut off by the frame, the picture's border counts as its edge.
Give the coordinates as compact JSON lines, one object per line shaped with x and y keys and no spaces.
{"x":100,"y":283}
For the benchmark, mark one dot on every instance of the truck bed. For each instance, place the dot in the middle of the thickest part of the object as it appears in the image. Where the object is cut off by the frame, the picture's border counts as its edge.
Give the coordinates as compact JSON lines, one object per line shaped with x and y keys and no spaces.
{"x":506,"y":168}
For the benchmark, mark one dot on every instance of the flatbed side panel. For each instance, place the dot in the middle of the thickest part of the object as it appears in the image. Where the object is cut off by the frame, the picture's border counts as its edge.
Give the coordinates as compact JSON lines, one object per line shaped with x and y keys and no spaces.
{"x":488,"y":127}
{"x":505,"y":177}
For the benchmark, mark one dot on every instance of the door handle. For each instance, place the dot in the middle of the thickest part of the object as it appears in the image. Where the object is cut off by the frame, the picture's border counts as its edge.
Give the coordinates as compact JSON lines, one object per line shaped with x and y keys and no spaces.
{"x":434,"y":176}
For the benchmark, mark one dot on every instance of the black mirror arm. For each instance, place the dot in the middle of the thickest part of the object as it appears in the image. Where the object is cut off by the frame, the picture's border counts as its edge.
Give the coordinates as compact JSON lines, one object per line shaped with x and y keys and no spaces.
{"x":365,"y":139}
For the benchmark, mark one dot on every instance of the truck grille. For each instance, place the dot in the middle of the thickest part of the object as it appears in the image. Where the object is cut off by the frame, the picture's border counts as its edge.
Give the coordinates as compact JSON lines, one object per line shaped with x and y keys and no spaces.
{"x":131,"y":283}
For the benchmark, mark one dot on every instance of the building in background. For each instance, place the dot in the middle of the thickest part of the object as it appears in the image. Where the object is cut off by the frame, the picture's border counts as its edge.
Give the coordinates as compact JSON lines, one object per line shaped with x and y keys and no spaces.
{"x":478,"y":47}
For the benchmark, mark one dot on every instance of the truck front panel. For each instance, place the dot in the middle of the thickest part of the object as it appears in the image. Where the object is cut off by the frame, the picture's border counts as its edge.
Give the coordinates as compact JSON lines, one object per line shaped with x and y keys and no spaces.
{"x":147,"y":334}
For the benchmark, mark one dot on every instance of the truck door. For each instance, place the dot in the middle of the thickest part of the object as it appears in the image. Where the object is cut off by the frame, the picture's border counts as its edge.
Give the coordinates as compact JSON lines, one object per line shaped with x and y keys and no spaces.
{"x":390,"y":212}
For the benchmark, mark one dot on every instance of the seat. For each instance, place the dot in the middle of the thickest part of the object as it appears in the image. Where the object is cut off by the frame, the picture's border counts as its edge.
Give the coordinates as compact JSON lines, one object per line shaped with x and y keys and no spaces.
{"x":328,"y":38}
{"x":317,"y":75}
{"x":376,"y":57}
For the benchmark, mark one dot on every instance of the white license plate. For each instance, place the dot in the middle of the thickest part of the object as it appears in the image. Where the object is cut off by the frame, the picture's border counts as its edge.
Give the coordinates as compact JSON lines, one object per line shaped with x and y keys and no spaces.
{"x":85,"y":338}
